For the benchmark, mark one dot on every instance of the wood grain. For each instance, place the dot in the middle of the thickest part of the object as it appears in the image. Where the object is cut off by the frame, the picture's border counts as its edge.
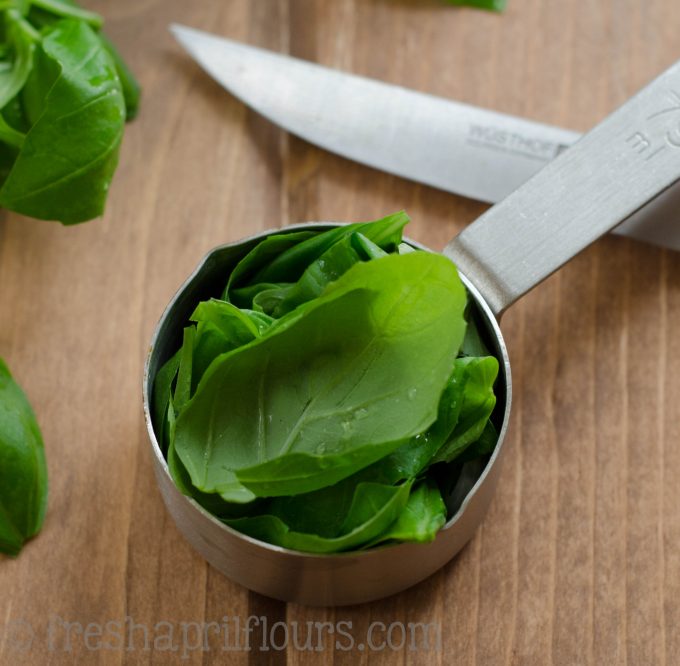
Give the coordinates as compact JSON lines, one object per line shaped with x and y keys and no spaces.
{"x":578,"y":560}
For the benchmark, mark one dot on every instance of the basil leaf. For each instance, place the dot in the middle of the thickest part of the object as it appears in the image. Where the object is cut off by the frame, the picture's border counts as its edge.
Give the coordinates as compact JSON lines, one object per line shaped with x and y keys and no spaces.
{"x":22,"y":42}
{"x":261,"y":255}
{"x":473,"y":345}
{"x":268,"y":300}
{"x":412,"y":458}
{"x":478,"y":404}
{"x":279,"y":299}
{"x":484,"y":446}
{"x":249,"y":297}
{"x":492,"y":5}
{"x":322,"y":512}
{"x":9,"y":135}
{"x":162,"y":393}
{"x":455,"y":493}
{"x":374,"y":508}
{"x":131,"y":89}
{"x":7,"y":156}
{"x":324,"y":392}
{"x":421,"y":519}
{"x":184,"y":373}
{"x":15,"y":116}
{"x":290,"y":264}
{"x":330,"y":266}
{"x":235,"y":324}
{"x":262,"y":321}
{"x":57,"y":174}
{"x":64,"y":9}
{"x":23,"y":471}
{"x":48,"y":12}
{"x":237,"y":505}
{"x":221,"y":328}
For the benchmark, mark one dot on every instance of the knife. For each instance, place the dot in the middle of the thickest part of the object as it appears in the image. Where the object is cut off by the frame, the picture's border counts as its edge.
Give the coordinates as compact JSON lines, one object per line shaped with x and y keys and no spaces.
{"x":460,"y":148}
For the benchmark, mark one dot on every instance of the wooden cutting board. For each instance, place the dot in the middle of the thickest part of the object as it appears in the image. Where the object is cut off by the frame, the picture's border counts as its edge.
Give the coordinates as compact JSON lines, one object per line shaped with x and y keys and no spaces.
{"x":578,"y":560}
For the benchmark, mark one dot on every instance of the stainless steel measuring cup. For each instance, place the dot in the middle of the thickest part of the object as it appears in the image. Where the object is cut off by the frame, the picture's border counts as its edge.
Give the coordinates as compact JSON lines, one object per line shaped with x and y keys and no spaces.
{"x":626,"y":161}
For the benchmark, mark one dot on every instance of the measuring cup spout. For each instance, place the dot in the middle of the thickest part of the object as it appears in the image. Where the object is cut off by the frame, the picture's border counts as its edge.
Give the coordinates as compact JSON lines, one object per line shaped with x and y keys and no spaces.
{"x":614,"y":170}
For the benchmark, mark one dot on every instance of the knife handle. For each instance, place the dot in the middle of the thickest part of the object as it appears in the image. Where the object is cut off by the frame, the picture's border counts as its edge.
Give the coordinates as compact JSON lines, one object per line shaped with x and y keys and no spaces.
{"x":605,"y":177}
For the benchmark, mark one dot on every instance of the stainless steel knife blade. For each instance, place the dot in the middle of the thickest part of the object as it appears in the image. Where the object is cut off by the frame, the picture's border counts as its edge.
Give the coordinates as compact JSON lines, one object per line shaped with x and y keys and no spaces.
{"x":456,"y":147}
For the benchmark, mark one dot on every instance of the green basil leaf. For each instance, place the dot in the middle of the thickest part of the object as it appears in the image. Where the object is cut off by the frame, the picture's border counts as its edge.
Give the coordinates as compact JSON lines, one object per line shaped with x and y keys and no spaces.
{"x":69,"y":155}
{"x":262,"y":321}
{"x":484,"y":446}
{"x":9,"y":135}
{"x":33,"y":98}
{"x":182,"y":392}
{"x":162,"y":394}
{"x":491,"y":5}
{"x":261,"y":255}
{"x":473,"y":345}
{"x":337,"y":250}
{"x":456,"y":487}
{"x":289,"y":266}
{"x":7,"y":156}
{"x":330,"y":266}
{"x":22,"y":43}
{"x":413,"y":457}
{"x":236,"y":325}
{"x":132,"y":91}
{"x":269,"y":298}
{"x":322,"y":512}
{"x":478,"y":404}
{"x":374,"y":507}
{"x":421,"y":519}
{"x":65,"y":9}
{"x":15,"y":116}
{"x":249,"y":297}
{"x":221,"y":328}
{"x":209,"y":344}
{"x":23,"y":471}
{"x":177,"y":470}
{"x":333,"y":386}
{"x":236,"y":505}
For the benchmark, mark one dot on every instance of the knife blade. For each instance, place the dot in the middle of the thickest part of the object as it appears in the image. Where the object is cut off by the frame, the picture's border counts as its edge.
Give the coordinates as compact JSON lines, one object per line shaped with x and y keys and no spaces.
{"x":460,"y":148}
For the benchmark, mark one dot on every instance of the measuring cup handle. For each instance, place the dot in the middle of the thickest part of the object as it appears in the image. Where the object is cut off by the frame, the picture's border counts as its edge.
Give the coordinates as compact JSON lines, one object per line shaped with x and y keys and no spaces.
{"x":610,"y":173}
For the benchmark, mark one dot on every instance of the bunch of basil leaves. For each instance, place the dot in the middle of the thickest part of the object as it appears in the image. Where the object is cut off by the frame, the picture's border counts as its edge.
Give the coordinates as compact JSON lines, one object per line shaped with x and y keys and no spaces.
{"x":333,"y":395}
{"x":65,"y":94}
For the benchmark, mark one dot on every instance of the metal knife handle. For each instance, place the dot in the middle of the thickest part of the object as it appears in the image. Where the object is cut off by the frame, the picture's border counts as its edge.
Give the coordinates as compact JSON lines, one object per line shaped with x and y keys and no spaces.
{"x":610,"y":173}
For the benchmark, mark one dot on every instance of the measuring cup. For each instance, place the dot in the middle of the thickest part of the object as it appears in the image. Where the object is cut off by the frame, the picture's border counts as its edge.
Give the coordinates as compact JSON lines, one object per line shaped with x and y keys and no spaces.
{"x":626,"y":161}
